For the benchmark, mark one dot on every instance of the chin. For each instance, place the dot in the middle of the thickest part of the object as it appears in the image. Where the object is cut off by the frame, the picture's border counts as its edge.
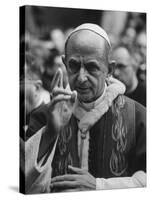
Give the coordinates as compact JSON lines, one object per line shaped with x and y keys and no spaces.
{"x":85,"y":98}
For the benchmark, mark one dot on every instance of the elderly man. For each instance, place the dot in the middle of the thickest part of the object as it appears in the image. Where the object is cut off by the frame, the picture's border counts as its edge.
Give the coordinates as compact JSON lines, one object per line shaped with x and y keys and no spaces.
{"x":94,"y":137}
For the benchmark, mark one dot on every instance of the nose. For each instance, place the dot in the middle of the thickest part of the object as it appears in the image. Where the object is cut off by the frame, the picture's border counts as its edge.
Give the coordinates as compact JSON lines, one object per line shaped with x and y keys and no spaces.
{"x":116,"y":73}
{"x":82,"y":76}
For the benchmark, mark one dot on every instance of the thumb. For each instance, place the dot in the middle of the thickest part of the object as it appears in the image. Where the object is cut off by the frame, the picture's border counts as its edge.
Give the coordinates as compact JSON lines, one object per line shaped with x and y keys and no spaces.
{"x":77,"y":170}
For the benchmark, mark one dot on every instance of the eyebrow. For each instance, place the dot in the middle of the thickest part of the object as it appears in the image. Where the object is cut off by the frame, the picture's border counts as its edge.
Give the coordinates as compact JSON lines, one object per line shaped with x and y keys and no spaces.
{"x":91,"y":62}
{"x":86,"y":63}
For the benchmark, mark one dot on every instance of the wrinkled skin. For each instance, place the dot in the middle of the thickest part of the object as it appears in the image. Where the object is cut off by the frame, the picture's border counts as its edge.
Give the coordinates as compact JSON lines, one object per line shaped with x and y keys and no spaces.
{"x":79,"y":180}
{"x":87,"y":64}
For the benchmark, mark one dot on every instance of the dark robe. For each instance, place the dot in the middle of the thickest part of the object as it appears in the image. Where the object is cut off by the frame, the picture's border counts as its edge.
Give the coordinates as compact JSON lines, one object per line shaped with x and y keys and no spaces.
{"x":117,"y":145}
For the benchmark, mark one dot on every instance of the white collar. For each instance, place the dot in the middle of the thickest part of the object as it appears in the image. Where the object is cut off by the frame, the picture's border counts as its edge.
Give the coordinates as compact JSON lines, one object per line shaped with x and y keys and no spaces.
{"x":82,"y":108}
{"x":88,"y":118}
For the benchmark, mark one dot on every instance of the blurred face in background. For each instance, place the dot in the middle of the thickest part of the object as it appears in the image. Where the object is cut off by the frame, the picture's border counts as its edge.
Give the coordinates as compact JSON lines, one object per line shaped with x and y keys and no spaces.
{"x":141,"y":45}
{"x":129,"y":36}
{"x":58,"y":39}
{"x":31,"y":89}
{"x":124,"y":70}
{"x":52,"y":66}
{"x":86,"y":62}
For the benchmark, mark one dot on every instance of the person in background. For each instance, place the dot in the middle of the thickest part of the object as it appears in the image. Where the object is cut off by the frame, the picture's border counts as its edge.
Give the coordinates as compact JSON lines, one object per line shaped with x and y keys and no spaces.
{"x":140,"y":44}
{"x":34,"y":94}
{"x":140,"y":50}
{"x":51,"y":64}
{"x":126,"y":71}
{"x":94,"y":136}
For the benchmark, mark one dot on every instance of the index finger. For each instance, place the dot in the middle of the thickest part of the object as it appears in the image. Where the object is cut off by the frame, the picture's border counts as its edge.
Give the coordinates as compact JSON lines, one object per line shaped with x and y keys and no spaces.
{"x":61,"y":78}
{"x":56,"y":80}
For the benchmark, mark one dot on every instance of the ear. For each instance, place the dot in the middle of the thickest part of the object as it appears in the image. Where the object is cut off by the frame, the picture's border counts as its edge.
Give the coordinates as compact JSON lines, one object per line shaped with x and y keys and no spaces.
{"x":38,"y":85}
{"x":111,"y":67}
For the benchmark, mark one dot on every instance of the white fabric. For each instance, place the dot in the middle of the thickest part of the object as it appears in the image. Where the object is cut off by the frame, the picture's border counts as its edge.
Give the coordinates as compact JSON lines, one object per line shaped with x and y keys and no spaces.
{"x":88,"y":114}
{"x":137,"y":180}
{"x":101,"y":106}
{"x":94,"y":28}
{"x":83,"y":150}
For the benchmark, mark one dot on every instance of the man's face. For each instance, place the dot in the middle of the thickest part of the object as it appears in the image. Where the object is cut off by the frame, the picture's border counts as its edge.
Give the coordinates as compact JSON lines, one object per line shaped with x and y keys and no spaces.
{"x":141,"y":44}
{"x":86,"y":64}
{"x":124,"y":70}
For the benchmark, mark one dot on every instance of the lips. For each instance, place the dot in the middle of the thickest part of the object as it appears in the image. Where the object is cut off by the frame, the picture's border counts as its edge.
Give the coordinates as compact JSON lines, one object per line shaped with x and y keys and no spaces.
{"x":82,"y":89}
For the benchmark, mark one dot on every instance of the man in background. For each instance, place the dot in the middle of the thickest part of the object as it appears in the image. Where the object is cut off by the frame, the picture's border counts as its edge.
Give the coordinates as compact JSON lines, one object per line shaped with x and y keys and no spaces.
{"x":126,"y":71}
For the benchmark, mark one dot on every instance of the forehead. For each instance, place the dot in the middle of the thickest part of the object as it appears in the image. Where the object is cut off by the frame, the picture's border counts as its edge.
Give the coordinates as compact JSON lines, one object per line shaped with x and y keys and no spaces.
{"x":87,"y":44}
{"x":121,"y":55}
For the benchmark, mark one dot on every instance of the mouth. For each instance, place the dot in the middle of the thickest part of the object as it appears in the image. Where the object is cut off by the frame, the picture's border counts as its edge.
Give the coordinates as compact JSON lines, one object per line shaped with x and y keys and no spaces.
{"x":82,"y":89}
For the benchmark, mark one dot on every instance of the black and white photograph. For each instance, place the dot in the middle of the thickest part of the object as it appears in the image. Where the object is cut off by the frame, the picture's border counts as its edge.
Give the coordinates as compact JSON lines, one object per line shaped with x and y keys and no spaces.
{"x":82,"y":99}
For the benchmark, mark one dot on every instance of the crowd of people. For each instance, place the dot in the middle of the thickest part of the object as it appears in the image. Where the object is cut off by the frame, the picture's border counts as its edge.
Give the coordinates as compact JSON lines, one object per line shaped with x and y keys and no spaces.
{"x":50,"y":76}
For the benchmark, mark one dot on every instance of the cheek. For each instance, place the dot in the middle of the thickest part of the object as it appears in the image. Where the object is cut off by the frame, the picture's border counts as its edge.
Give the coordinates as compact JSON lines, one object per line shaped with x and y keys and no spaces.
{"x":128,"y":73}
{"x":97,"y":82}
{"x":72,"y":81}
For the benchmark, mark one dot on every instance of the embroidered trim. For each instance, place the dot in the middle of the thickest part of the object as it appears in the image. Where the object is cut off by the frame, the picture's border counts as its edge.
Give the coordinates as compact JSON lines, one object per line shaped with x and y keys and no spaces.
{"x":118,"y":163}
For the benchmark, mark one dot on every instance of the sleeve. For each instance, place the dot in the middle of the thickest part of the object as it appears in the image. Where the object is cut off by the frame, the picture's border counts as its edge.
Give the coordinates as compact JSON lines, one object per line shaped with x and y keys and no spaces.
{"x":37,"y":120}
{"x":37,"y":172}
{"x":137,"y":180}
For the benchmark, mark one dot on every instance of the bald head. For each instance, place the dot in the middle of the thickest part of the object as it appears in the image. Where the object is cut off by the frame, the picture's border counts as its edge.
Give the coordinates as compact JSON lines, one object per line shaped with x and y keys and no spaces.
{"x":124,"y":70}
{"x":89,"y":42}
{"x":121,"y":55}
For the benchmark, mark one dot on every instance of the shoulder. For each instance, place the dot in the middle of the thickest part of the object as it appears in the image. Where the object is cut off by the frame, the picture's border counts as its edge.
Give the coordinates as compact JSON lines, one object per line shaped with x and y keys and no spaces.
{"x":131,"y":108}
{"x":140,"y":110}
{"x":138,"y":113}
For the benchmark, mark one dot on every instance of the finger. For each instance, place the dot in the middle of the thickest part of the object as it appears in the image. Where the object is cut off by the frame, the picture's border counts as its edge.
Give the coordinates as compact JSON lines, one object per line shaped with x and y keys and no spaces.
{"x":74,"y":96}
{"x":57,"y":91}
{"x":68,"y":87}
{"x":65,"y":184}
{"x":61,"y":78}
{"x":77,"y":170}
{"x":66,"y":177}
{"x":59,"y":98}
{"x":55,"y":80}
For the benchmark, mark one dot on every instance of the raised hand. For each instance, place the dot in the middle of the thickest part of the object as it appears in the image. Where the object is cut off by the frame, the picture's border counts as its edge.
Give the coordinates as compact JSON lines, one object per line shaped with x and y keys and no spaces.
{"x":62,"y":102}
{"x":59,"y":112}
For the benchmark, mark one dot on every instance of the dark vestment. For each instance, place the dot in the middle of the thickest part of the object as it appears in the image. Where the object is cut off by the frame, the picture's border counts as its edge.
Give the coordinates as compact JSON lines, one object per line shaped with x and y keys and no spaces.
{"x":139,"y":94}
{"x":117,"y":144}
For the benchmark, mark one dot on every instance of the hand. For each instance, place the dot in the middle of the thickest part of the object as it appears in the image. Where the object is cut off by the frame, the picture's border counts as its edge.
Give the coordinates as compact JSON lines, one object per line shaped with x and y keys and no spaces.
{"x":62,"y":102}
{"x":79,"y":180}
{"x":59,"y":112}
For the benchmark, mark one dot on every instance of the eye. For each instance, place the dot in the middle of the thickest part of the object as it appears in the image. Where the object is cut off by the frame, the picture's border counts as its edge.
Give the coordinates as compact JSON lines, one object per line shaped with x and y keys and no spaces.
{"x":92,"y":68}
{"x":121,"y":66}
{"x":74,"y":66}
